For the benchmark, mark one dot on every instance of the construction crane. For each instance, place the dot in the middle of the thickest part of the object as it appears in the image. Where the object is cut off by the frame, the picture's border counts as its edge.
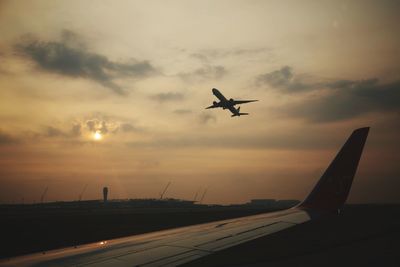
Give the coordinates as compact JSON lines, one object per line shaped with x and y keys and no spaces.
{"x":195,"y":196}
{"x":204,"y":194}
{"x":83,"y":191}
{"x":165,"y":190}
{"x":44,"y":194}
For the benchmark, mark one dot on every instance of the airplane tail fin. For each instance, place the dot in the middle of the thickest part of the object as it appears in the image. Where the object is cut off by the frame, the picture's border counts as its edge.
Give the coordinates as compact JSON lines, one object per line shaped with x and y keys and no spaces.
{"x":239,"y":114}
{"x":332,"y":189}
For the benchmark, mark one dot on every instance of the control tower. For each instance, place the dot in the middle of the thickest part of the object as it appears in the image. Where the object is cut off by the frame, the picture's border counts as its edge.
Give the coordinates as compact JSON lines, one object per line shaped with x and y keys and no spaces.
{"x":105,"y":194}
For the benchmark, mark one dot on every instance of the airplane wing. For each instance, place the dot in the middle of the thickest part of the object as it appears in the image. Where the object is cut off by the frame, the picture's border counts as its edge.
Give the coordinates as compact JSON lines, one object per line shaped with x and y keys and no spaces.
{"x":238,"y":102}
{"x":182,"y":245}
{"x":212,"y":106}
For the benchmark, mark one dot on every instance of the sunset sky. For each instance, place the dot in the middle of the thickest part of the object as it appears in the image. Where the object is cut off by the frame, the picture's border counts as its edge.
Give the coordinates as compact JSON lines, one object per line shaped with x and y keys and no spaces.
{"x":112,"y":93}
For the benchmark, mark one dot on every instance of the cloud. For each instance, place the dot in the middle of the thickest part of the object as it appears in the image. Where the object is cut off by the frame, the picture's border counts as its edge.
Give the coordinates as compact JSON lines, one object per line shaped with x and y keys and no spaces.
{"x":208,"y":72}
{"x":96,"y":125}
{"x":76,"y":129}
{"x":57,"y":131}
{"x":169,"y":96}
{"x":69,"y":58}
{"x":285,"y":80}
{"x":349,"y":84}
{"x":200,"y":56}
{"x":86,"y":126}
{"x":279,"y":77}
{"x":127,"y":127}
{"x":335,"y":100}
{"x":6,"y":139}
{"x":205,"y":118}
{"x":53,"y":132}
{"x":108,"y":124}
{"x":348,"y":99}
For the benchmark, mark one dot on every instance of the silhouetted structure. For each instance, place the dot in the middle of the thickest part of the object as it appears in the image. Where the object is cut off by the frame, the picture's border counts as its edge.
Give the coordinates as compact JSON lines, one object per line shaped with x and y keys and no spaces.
{"x":83,"y":191}
{"x":165,"y":190}
{"x":195,"y":196}
{"x":202,"y":197}
{"x":44,"y":194}
{"x":105,"y":194}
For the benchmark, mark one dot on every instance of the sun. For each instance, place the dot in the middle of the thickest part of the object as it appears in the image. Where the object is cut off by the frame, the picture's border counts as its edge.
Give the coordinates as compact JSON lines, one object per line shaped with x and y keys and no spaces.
{"x":97,"y":136}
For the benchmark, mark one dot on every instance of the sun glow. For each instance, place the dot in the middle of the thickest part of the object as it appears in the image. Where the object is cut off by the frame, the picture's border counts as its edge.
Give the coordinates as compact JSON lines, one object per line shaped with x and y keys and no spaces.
{"x":97,"y":136}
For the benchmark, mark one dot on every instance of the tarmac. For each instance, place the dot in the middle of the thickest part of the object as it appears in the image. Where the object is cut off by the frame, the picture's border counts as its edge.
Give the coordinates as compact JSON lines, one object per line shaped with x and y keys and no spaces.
{"x":361,"y":235}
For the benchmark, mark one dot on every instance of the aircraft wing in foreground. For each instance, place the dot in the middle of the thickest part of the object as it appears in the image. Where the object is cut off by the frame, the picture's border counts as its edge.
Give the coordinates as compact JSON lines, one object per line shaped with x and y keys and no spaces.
{"x":182,"y":245}
{"x":228,"y":104}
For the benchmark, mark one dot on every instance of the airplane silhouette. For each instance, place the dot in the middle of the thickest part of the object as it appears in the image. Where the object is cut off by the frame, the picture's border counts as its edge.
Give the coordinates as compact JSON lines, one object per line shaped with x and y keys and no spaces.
{"x":228,"y":104}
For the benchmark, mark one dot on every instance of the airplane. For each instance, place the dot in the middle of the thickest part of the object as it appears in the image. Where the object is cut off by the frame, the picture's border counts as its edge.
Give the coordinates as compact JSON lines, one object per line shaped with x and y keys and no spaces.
{"x":185,"y":245}
{"x":228,"y":104}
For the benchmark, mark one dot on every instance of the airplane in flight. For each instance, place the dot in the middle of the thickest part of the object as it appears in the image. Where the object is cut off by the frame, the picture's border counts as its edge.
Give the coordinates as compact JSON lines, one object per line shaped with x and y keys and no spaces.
{"x":228,"y":104}
{"x":185,"y":245}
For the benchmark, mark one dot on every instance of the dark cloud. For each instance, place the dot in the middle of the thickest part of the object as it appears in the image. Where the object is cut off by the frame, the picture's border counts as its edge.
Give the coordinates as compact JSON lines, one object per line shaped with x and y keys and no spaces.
{"x":349,"y":84}
{"x":76,"y":61}
{"x":6,"y":139}
{"x":106,"y":125}
{"x":169,"y":96}
{"x":347,"y":99}
{"x":97,"y":125}
{"x":72,"y":39}
{"x":109,"y":125}
{"x":278,"y":77}
{"x":206,"y":118}
{"x":207,"y":72}
{"x":127,"y":127}
{"x":340,"y":100}
{"x":200,"y":56}
{"x":285,"y":80}
{"x":76,"y":129}
{"x":53,"y":132}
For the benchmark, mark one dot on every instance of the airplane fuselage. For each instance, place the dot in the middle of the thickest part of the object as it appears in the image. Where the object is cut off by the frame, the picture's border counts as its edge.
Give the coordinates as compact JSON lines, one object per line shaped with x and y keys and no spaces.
{"x":223,"y":102}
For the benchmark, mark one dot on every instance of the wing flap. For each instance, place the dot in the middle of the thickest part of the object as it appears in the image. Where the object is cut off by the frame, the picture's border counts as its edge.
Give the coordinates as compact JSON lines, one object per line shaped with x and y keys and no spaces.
{"x":158,"y":256}
{"x":242,"y":237}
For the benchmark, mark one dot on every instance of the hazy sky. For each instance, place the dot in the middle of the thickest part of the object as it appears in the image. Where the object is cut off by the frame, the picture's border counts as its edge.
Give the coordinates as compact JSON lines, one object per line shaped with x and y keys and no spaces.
{"x":140,"y":73}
